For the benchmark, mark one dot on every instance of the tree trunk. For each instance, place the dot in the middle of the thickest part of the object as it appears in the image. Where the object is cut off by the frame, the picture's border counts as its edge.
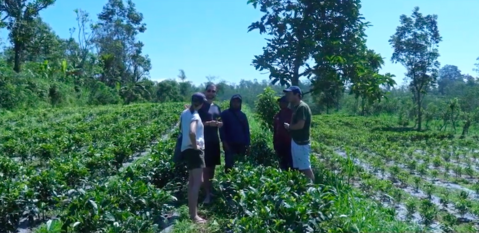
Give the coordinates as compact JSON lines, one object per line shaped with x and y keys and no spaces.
{"x":465,"y":129}
{"x":17,"y":50}
{"x":363,"y":103}
{"x":419,"y":110}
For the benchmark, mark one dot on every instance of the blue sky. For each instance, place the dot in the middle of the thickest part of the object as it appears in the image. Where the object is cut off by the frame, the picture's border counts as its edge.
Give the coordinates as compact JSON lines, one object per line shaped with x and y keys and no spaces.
{"x":210,"y":37}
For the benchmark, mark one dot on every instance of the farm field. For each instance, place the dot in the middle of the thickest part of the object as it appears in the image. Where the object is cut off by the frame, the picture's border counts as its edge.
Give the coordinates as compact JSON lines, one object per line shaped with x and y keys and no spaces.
{"x":108,"y":169}
{"x":429,"y":178}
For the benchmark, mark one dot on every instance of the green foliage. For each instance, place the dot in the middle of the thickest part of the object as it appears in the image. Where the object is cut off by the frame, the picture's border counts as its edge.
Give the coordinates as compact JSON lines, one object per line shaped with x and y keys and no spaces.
{"x":415,"y":46}
{"x":20,"y":21}
{"x":268,"y":200}
{"x":261,"y":153}
{"x":102,"y":95}
{"x":266,"y":106}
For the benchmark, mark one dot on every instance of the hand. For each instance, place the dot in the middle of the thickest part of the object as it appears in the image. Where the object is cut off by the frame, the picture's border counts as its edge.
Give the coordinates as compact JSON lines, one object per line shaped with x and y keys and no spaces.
{"x":197,"y":147}
{"x":213,"y":123}
{"x":219,"y":124}
{"x":286,"y":125}
{"x":187,"y":106}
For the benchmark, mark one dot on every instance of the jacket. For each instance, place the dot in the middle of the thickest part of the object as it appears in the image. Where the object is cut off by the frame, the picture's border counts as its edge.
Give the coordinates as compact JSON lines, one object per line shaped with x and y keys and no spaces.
{"x":235,"y":128}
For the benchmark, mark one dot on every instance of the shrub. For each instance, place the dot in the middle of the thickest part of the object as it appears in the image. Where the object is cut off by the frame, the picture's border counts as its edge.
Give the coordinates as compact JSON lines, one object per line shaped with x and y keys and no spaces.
{"x":266,"y":107}
{"x":102,"y":95}
{"x":265,"y":199}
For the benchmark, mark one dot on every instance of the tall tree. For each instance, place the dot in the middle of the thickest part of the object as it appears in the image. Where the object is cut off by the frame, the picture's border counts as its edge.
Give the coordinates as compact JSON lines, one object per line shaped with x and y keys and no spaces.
{"x":115,"y":39}
{"x":287,"y":52}
{"x":415,"y":46}
{"x":19,"y":17}
{"x":327,"y":32}
{"x":81,"y":52}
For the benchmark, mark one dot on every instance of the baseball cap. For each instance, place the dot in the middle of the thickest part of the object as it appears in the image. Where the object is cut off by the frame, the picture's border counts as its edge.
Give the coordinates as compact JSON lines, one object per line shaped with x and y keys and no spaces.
{"x":198,"y":97}
{"x":294,"y":89}
{"x":282,"y":99}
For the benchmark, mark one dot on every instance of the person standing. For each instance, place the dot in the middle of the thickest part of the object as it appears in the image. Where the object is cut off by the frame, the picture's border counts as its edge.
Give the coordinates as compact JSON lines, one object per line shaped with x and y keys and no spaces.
{"x":235,"y":133}
{"x":210,"y":114}
{"x":299,"y":130}
{"x":281,"y":137}
{"x":192,"y":150}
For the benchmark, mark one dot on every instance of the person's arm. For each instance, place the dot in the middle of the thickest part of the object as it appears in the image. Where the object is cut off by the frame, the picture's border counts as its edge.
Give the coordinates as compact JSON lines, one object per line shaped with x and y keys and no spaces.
{"x":192,"y":134}
{"x":301,"y":114}
{"x":218,"y":123}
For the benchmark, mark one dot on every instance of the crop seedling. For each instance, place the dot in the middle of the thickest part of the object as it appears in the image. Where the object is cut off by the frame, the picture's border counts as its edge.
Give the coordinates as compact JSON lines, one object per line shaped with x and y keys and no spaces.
{"x":428,"y":211}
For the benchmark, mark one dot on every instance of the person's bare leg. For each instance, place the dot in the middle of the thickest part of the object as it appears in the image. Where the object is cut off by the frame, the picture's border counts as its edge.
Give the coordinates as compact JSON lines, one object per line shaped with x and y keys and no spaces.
{"x":309,"y":173}
{"x":208,"y":175}
{"x":194,"y":183}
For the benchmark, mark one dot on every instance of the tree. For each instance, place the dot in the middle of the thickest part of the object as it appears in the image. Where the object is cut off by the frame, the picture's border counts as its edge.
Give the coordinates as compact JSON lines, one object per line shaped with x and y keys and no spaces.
{"x":115,"y":39}
{"x":328,"y":32}
{"x":19,"y":17}
{"x":168,"y":90}
{"x":415,"y":46}
{"x":81,"y":51}
{"x":476,"y":68}
{"x":327,"y":92}
{"x":448,"y":75}
{"x":290,"y":46}
{"x":182,"y":75}
{"x":369,"y":82}
{"x":184,"y":86}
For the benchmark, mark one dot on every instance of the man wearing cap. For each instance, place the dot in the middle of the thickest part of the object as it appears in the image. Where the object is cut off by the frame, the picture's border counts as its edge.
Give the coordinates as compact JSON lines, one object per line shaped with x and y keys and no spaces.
{"x":281,"y":137}
{"x":235,"y":133}
{"x":299,"y":130}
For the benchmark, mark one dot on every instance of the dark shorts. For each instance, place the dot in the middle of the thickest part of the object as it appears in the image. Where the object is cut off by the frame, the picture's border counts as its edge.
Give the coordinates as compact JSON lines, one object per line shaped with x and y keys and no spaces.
{"x":194,"y":158}
{"x":212,"y":154}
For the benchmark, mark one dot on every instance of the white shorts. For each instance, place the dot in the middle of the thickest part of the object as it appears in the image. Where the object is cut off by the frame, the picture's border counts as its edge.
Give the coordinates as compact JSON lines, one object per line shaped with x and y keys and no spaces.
{"x":300,"y":154}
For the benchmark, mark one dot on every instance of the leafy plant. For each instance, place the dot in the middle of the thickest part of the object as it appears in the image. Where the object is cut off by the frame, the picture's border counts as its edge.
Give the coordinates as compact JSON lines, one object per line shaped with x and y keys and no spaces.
{"x":266,"y":107}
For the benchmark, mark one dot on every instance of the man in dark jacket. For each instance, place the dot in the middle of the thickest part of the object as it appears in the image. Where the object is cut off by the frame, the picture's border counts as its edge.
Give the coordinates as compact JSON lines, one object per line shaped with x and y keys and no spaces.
{"x":235,"y":133}
{"x":281,"y":137}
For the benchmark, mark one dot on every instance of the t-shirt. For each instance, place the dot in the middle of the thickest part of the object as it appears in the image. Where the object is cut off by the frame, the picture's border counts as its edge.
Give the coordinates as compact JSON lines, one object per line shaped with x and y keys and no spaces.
{"x":210,"y":112}
{"x":301,"y":112}
{"x":186,"y":118}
